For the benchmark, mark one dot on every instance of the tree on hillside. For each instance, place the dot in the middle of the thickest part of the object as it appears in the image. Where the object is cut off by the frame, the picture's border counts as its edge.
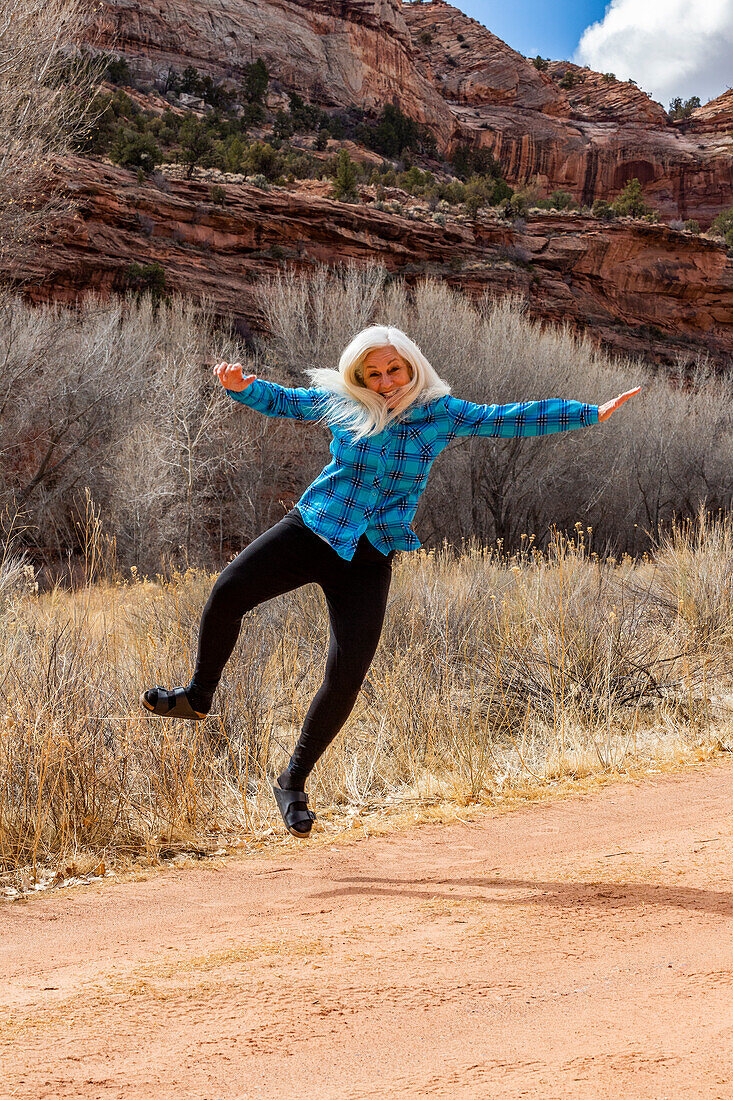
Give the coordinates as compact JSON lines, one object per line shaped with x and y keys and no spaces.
{"x":196,"y":143}
{"x":393,"y":132}
{"x":256,"y":80}
{"x":132,"y":149}
{"x":723,"y":225}
{"x":344,"y":187}
{"x":46,"y":88}
{"x":682,"y":109}
{"x":630,"y":203}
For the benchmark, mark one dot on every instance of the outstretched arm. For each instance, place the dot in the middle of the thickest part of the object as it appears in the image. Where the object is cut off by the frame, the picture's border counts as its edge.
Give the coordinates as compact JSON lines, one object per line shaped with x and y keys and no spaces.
{"x":523,"y":418}
{"x":527,"y":418}
{"x":267,"y":397}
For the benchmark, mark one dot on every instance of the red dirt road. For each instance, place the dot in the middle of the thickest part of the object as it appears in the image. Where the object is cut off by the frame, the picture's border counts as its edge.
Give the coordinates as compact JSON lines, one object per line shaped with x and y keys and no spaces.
{"x":578,"y":949}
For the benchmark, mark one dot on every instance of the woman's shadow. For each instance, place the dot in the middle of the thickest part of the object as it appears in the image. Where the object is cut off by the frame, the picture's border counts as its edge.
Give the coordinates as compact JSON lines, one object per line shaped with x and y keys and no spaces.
{"x":604,"y":895}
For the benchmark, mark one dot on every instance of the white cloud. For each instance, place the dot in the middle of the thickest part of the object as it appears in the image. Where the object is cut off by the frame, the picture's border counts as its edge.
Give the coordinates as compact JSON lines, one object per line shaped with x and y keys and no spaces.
{"x":669,"y":47}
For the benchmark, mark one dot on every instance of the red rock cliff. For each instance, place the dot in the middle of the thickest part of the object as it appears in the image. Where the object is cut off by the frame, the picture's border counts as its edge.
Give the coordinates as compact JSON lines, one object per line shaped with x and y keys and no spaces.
{"x":446,"y":70}
{"x":588,"y":138}
{"x":639,"y":288}
{"x":337,"y":53}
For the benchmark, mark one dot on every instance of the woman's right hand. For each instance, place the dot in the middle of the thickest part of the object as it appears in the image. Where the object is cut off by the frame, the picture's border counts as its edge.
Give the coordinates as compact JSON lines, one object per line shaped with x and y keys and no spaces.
{"x":231,"y":377}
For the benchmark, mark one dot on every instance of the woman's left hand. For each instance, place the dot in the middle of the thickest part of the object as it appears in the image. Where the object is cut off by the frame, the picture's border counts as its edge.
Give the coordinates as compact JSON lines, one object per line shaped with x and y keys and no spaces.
{"x":604,"y":411}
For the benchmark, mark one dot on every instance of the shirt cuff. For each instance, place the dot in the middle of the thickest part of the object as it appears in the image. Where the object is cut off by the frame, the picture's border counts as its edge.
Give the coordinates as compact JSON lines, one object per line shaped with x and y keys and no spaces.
{"x":590,"y":414}
{"x":253,"y":395}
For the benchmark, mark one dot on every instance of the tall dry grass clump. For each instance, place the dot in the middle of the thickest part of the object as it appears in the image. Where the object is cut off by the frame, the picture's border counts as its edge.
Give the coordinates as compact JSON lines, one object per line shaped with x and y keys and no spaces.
{"x":496,"y":672}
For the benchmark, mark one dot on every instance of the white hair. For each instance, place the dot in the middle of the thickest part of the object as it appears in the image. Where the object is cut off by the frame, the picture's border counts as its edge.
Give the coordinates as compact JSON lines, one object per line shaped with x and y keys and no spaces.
{"x":361,"y":409}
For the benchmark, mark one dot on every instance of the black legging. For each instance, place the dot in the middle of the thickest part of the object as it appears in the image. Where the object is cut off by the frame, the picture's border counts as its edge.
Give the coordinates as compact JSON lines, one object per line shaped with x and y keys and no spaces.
{"x":283,"y":558}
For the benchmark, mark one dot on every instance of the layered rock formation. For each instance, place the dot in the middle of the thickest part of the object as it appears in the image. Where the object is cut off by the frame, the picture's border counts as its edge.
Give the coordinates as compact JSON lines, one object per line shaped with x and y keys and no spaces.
{"x":589,"y":138}
{"x":715,"y":117}
{"x":637,"y":288}
{"x":600,"y":97}
{"x":469,"y":65}
{"x":336,"y":53}
{"x":565,"y":127}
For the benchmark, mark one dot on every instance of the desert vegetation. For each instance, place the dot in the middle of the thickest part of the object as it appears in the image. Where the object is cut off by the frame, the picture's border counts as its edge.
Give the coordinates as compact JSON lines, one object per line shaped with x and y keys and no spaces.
{"x":117,"y":398}
{"x":571,"y":613}
{"x":723,"y":227}
{"x":242,"y":129}
{"x":497,"y":675}
{"x":45,"y":92}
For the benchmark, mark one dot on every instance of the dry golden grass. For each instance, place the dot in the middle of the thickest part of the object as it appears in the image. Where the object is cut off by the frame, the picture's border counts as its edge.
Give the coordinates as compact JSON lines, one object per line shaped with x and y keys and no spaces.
{"x":498,"y":677}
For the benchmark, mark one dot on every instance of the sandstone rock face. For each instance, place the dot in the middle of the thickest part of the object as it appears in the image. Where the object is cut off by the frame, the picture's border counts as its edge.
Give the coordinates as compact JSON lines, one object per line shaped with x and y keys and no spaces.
{"x":681,"y":178}
{"x":637,"y":288}
{"x":715,"y":116}
{"x":470,"y":65}
{"x":446,"y":70}
{"x":599,"y":97}
{"x":590,"y":138}
{"x":337,"y":53}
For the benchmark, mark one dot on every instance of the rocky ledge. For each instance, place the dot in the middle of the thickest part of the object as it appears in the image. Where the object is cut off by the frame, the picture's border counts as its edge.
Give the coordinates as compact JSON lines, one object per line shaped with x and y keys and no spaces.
{"x":637,"y":288}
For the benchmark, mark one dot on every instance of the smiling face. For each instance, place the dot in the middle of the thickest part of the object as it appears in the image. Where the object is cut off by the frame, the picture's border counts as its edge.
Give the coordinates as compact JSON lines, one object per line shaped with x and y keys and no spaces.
{"x":385,"y":372}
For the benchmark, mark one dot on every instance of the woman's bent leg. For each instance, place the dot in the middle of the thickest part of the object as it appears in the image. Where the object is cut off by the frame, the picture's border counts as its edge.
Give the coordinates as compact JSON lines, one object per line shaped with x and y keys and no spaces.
{"x":357,"y":600}
{"x":283,"y":558}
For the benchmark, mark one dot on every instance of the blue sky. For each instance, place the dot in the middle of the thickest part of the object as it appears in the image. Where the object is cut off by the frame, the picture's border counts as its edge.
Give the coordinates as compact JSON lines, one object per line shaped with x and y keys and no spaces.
{"x":536,"y":26}
{"x":670,"y":47}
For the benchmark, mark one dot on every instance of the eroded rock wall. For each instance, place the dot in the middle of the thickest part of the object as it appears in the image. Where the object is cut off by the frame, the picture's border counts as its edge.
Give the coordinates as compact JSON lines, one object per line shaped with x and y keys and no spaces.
{"x":589,"y":138}
{"x":636,"y":288}
{"x":337,"y":53}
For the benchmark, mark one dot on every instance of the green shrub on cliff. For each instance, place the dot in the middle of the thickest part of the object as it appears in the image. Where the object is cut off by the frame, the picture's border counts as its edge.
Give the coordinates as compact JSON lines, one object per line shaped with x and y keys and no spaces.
{"x":305,"y":117}
{"x":145,"y":279}
{"x":344,"y":186}
{"x":484,"y":191}
{"x":197,"y":145}
{"x":468,"y":161}
{"x":484,"y":183}
{"x":395,"y":132}
{"x":132,"y":149}
{"x":109,"y":114}
{"x":416,"y":181}
{"x":558,"y":200}
{"x":262,"y":159}
{"x":630,"y":203}
{"x":256,"y":80}
{"x":723,"y":226}
{"x":682,"y":109}
{"x":603,"y":210}
{"x":118,"y":71}
{"x":453,"y":192}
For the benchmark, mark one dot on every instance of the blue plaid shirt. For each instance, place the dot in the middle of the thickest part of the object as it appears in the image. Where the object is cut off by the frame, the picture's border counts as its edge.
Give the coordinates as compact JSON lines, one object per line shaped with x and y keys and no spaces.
{"x":373,"y":486}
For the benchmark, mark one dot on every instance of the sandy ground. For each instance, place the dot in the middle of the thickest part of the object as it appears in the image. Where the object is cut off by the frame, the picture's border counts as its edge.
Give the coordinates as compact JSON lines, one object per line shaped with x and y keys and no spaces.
{"x":579,"y":949}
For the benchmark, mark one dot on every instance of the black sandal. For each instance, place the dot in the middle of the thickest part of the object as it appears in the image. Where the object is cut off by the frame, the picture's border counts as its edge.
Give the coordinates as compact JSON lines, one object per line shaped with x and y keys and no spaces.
{"x":293,"y":806}
{"x":170,"y":704}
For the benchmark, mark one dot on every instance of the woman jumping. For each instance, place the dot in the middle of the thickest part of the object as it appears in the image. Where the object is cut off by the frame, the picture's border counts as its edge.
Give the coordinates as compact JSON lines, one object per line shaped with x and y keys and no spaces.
{"x":390,"y":416}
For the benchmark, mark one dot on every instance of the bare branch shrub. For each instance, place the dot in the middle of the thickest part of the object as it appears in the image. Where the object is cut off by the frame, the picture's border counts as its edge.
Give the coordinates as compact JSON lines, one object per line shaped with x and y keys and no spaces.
{"x":310,"y":320}
{"x":666,"y":454}
{"x":46,"y":90}
{"x":119,"y":398}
